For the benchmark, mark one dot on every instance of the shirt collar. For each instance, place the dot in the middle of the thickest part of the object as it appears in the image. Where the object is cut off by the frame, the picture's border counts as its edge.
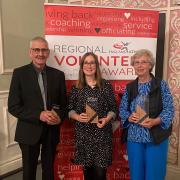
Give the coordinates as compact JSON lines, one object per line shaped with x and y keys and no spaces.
{"x":39,"y":70}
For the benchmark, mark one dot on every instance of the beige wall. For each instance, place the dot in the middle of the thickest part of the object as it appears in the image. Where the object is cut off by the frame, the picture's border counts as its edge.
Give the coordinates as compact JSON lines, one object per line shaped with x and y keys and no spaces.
{"x":22,"y":19}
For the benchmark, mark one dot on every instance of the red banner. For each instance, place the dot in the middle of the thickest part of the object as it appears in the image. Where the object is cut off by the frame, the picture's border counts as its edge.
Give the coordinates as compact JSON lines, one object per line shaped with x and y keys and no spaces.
{"x":85,"y":21}
{"x":114,"y":35}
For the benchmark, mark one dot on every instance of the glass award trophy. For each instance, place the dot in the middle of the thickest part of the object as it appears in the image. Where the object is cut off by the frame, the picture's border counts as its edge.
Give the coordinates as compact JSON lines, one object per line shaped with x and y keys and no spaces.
{"x":91,"y":105}
{"x":142,"y":107}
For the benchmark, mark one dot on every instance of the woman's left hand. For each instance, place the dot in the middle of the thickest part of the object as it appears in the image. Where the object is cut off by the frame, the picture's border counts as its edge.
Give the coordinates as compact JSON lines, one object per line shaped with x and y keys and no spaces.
{"x":102,"y":122}
{"x":150,"y":122}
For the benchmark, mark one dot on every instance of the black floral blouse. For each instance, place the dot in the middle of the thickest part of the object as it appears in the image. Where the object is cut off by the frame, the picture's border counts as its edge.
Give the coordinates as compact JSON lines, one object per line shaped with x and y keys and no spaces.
{"x":93,"y":145}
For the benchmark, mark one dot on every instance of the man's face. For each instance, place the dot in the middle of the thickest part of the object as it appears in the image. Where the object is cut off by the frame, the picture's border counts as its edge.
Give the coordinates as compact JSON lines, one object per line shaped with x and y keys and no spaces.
{"x":39,"y":52}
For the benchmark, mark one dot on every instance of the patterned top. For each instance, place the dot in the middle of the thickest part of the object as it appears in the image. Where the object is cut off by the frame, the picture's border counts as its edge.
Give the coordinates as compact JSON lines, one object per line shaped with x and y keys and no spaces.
{"x":137,"y":133}
{"x":102,"y":101}
{"x":93,"y":145}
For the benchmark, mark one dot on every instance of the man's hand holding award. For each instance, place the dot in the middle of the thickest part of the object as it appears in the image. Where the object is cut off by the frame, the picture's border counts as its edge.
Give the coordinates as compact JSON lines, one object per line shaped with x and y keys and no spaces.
{"x":56,"y":118}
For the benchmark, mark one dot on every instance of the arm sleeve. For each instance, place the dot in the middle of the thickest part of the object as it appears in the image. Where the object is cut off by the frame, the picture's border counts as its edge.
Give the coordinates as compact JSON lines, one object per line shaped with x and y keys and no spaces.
{"x":167,"y":113}
{"x":72,"y":100}
{"x":15,"y":102}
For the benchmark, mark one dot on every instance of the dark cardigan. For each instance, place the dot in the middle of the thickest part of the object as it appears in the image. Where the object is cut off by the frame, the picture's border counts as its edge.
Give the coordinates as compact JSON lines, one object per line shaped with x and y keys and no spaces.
{"x":155,"y":107}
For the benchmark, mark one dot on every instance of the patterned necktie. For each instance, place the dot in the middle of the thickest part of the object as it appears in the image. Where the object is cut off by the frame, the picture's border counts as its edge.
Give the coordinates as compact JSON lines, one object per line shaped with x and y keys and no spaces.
{"x":41,"y":85}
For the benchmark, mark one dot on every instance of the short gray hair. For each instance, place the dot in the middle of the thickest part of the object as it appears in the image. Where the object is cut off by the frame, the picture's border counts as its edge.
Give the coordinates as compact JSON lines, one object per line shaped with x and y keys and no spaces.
{"x":38,"y":38}
{"x":143,"y":52}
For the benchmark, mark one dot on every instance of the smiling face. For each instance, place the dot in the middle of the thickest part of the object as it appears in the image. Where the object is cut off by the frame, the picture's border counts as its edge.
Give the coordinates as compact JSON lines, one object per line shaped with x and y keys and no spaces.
{"x":89,"y":66}
{"x":142,"y":66}
{"x":39,"y":52}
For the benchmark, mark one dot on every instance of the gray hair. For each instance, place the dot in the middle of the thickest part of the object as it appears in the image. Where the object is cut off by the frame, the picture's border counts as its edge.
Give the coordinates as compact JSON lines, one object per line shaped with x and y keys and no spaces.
{"x":38,"y":38}
{"x":143,"y":52}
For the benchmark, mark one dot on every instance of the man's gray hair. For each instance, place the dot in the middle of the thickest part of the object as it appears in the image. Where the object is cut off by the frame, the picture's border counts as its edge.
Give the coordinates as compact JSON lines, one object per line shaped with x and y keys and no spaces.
{"x":38,"y":38}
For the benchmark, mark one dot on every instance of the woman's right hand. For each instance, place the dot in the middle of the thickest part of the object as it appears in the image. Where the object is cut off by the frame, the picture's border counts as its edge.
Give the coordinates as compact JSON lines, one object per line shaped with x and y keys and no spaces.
{"x":83,"y":117}
{"x":134,"y":117}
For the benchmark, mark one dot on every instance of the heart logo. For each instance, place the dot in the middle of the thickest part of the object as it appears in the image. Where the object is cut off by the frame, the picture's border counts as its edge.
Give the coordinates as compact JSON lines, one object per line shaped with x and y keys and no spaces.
{"x":97,"y":29}
{"x":127,"y":15}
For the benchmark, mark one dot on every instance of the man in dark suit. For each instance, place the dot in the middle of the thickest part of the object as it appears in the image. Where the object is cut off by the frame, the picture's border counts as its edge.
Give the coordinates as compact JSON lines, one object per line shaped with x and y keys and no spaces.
{"x":37,"y":98}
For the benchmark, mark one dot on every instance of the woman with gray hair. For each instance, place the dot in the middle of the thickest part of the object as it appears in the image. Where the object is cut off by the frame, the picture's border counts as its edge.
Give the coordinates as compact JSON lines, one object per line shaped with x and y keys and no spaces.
{"x":140,"y":53}
{"x":146,"y":112}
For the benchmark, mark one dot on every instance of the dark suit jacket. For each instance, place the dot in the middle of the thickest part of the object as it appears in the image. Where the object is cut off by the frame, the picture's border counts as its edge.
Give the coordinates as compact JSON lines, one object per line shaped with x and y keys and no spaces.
{"x":25,"y":102}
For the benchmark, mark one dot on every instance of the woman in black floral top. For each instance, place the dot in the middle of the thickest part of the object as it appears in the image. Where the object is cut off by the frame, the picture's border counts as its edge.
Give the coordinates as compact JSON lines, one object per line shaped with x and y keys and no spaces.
{"x":93,"y":141}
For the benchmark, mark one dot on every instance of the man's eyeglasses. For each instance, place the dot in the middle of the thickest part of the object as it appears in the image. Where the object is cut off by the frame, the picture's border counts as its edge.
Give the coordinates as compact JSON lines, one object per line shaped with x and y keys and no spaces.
{"x":136,"y":63}
{"x":38,"y":50}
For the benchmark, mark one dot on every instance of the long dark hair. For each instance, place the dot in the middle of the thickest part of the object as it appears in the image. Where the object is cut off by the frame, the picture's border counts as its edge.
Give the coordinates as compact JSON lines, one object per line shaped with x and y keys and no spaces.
{"x":81,"y":82}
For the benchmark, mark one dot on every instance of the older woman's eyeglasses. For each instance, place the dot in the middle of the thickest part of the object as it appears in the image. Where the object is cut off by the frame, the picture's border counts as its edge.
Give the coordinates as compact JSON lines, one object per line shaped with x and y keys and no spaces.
{"x":136,"y":63}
